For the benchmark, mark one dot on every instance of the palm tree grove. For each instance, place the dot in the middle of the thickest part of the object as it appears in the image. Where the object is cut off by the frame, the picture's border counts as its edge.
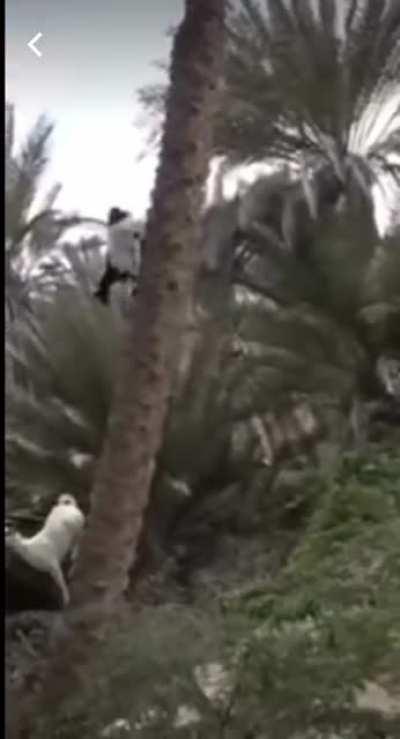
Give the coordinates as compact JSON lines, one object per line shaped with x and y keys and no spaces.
{"x":202,"y":405}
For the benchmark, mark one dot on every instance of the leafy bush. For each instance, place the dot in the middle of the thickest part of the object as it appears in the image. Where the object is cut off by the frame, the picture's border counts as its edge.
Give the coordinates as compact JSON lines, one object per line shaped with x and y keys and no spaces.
{"x":293,"y":654}
{"x":146,"y":675}
{"x":331,"y":620}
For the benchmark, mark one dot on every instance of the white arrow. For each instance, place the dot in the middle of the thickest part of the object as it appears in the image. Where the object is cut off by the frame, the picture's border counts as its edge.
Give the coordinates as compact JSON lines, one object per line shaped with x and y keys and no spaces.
{"x":32,"y":43}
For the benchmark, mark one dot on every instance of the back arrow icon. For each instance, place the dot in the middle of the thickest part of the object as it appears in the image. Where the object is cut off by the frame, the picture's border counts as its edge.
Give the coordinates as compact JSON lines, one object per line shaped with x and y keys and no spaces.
{"x":32,"y":43}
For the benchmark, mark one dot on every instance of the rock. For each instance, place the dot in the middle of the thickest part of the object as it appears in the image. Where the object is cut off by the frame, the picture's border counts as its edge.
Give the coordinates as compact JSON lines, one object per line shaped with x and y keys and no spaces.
{"x":376,"y":697}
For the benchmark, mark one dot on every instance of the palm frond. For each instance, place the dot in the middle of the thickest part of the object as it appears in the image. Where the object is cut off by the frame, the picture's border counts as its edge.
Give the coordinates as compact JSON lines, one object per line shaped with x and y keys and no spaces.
{"x":33,"y":229}
{"x":30,"y":164}
{"x":314,"y":82}
{"x":66,"y":351}
{"x":299,"y":79}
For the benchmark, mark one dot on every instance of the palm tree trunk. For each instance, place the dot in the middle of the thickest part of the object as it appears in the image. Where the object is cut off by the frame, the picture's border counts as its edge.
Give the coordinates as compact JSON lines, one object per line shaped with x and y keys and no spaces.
{"x":151,"y":350}
{"x":122,"y":483}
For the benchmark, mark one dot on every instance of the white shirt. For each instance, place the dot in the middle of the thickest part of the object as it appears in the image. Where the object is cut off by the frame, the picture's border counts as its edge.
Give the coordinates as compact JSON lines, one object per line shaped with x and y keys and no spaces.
{"x":124,"y":245}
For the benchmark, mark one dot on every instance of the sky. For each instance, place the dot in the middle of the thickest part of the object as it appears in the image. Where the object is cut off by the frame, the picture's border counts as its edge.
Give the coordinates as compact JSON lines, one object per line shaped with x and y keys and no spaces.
{"x":95,"y":55}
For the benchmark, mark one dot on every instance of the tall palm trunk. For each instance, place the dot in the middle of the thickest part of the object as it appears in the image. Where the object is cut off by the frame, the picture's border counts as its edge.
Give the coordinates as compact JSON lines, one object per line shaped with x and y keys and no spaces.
{"x":134,"y":435}
{"x":122,"y":483}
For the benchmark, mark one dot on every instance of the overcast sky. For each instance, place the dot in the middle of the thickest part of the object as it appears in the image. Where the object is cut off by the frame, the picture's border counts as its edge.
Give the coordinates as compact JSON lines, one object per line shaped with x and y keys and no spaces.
{"x":95,"y":54}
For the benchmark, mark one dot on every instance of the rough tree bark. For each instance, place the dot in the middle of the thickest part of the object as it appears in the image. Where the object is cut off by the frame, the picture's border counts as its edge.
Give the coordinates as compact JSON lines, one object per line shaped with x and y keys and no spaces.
{"x":151,"y":350}
{"x":122,"y":483}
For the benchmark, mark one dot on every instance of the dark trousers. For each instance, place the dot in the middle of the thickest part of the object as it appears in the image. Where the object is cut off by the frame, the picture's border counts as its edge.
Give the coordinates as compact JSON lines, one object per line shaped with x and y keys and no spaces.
{"x":110,"y":276}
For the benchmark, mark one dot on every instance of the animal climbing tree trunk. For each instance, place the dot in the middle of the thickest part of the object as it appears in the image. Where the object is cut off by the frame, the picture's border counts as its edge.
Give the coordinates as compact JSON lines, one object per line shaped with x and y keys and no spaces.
{"x":122,"y":482}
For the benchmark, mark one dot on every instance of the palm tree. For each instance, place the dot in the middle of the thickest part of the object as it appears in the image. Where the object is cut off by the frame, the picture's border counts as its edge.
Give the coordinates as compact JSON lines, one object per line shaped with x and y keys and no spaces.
{"x":33,"y":228}
{"x":144,"y":384}
{"x":326,"y":309}
{"x":335,"y":286}
{"x":169,"y":264}
{"x":306,"y":80}
{"x":303,"y":86}
{"x":56,"y":420}
{"x":311,"y":83}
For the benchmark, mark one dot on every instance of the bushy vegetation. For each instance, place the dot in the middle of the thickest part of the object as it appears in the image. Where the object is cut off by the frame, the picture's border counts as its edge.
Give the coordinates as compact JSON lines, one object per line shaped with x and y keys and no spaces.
{"x":292,"y":654}
{"x":330,"y":621}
